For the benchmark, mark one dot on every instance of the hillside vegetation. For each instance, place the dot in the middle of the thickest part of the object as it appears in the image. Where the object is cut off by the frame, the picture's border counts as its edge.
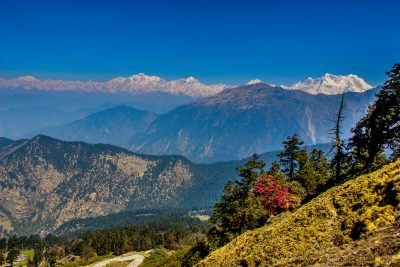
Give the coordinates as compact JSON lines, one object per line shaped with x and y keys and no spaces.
{"x":350,"y":224}
{"x":45,"y":182}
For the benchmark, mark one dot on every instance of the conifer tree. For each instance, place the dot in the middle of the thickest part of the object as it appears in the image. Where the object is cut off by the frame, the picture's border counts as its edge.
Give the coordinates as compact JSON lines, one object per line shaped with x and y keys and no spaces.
{"x":313,"y":171}
{"x":231,"y":212}
{"x":290,"y":155}
{"x":37,"y":256}
{"x":250,"y":172}
{"x":380,"y":127}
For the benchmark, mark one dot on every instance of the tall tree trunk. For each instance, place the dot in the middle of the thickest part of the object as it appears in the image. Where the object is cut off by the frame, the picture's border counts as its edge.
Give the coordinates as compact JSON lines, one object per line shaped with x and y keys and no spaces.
{"x":337,"y":144}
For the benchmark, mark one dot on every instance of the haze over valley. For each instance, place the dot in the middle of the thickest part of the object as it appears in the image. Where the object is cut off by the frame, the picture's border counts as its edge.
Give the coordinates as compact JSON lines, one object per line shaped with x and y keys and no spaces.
{"x":143,"y":114}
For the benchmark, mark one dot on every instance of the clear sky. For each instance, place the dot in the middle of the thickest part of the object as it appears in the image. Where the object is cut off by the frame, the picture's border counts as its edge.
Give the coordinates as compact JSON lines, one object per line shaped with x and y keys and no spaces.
{"x":215,"y":41}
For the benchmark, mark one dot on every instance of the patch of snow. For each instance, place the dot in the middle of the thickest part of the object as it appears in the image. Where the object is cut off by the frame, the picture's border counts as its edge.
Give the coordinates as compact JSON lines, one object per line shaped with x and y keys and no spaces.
{"x":330,"y":84}
{"x":255,"y":81}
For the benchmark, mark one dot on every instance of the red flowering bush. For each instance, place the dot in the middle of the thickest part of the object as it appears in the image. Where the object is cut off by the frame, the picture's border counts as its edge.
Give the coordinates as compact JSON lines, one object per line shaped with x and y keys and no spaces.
{"x":274,"y":196}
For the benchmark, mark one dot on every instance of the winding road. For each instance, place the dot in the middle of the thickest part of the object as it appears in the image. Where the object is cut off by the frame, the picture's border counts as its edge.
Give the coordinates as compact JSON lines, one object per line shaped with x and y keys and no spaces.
{"x":136,"y":260}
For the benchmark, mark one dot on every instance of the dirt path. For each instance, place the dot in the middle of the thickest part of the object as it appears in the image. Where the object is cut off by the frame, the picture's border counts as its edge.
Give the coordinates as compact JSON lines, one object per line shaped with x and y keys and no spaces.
{"x":139,"y":259}
{"x":136,"y":260}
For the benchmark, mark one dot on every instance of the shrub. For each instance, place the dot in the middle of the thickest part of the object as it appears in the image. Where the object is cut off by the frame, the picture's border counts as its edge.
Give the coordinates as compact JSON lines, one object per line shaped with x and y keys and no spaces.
{"x":274,"y":196}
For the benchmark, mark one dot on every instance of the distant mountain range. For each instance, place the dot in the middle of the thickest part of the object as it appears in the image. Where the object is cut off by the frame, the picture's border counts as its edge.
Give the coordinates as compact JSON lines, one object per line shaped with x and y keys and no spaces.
{"x":231,"y":125}
{"x":135,"y":84}
{"x":240,"y":121}
{"x":141,"y":83}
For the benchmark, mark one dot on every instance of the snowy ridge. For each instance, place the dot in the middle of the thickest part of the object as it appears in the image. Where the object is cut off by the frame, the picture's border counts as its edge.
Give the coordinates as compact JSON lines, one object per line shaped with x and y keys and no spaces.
{"x":330,"y":84}
{"x":255,"y":81}
{"x":139,"y":83}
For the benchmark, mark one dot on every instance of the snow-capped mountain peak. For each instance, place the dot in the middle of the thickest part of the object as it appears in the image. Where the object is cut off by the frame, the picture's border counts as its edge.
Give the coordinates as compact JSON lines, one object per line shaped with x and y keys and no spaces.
{"x":331,"y":84}
{"x":143,"y":77}
{"x":138,"y":83}
{"x":141,"y":83}
{"x":191,"y":79}
{"x":27,"y":78}
{"x":255,"y":81}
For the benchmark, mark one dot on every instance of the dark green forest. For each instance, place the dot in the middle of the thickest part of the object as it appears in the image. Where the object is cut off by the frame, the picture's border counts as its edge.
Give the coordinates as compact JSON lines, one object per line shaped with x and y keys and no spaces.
{"x":150,"y":229}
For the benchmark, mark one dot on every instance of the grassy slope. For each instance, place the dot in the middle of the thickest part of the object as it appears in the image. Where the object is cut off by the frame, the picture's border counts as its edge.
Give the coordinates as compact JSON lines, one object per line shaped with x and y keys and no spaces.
{"x":354,"y":223}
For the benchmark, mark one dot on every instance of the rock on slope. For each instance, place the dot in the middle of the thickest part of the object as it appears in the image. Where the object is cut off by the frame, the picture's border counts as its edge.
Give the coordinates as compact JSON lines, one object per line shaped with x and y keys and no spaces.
{"x":45,"y":182}
{"x":356,"y":223}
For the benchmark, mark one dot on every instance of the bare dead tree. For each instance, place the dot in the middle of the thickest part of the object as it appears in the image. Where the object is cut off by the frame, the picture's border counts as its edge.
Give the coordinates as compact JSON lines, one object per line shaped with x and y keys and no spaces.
{"x":336,"y":142}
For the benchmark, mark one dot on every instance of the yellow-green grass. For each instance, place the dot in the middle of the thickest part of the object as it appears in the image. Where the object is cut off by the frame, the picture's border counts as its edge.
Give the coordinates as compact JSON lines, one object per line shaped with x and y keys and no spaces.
{"x":346,"y":214}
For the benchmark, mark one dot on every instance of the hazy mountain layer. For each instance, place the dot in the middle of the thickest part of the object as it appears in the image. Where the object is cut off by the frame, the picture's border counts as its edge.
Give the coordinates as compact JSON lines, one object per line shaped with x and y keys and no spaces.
{"x":18,"y":123}
{"x":113,"y":126}
{"x":241,"y":121}
{"x":24,"y":112}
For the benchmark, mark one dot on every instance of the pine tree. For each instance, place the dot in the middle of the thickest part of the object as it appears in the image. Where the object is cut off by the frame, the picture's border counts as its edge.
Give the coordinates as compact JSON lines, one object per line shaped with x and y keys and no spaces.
{"x":321,"y":167}
{"x":37,"y":256}
{"x":250,"y":172}
{"x":380,"y":127}
{"x":3,"y":244}
{"x":230,"y":212}
{"x":289,"y":156}
{"x":275,"y":170}
{"x":313,"y":170}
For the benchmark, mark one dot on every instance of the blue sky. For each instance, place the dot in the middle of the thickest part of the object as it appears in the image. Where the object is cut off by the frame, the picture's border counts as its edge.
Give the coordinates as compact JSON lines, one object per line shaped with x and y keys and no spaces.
{"x":215,"y":41}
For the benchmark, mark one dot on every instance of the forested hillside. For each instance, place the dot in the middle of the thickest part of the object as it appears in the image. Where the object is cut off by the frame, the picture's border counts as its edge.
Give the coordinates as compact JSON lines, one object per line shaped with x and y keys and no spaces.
{"x":46,"y":182}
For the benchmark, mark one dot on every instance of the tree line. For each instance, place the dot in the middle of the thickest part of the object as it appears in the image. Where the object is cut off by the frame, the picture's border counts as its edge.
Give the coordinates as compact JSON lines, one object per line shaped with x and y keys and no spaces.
{"x":171,"y":231}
